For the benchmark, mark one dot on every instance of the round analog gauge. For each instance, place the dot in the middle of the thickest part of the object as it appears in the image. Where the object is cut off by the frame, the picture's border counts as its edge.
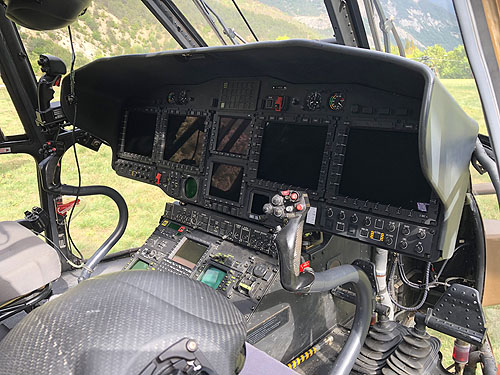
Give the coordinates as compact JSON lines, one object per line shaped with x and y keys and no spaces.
{"x":336,"y":101}
{"x":313,"y":101}
{"x":171,"y":98}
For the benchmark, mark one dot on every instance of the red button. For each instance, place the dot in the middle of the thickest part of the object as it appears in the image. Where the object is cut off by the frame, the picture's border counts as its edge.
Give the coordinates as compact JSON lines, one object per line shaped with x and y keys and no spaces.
{"x":299,"y":207}
{"x":181,"y":229}
{"x":285,"y":192}
{"x":294,"y":196}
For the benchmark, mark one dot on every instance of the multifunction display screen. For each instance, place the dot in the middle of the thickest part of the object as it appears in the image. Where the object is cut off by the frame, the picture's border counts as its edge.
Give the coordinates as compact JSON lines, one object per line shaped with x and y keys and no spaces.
{"x":292,"y":154}
{"x":384,"y":167}
{"x":140,"y":132}
{"x":189,"y":253}
{"x":184,"y":139}
{"x":226,"y":181}
{"x":233,"y":135}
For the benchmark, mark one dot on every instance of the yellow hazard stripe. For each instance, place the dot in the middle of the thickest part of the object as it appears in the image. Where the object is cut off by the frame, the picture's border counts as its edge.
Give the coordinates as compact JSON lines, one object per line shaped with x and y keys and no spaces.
{"x":306,"y":355}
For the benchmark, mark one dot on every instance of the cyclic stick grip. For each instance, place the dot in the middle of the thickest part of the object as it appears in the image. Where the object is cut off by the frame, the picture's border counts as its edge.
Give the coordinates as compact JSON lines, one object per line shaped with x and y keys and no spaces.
{"x":292,"y":208}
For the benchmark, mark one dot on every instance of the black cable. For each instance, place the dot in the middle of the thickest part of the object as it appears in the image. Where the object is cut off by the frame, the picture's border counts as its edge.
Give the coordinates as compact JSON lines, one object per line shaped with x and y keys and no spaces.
{"x":72,"y":93}
{"x":245,"y":20}
{"x":391,"y":288}
{"x":434,"y":282}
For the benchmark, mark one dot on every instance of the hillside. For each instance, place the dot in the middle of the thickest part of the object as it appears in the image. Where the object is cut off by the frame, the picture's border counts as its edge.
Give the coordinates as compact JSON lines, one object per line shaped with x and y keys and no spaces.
{"x":425,"y":22}
{"x":114,"y":27}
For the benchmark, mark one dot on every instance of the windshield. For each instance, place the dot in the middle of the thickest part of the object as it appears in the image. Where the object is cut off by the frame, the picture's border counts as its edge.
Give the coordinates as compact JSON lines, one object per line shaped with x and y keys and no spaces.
{"x":269,"y":19}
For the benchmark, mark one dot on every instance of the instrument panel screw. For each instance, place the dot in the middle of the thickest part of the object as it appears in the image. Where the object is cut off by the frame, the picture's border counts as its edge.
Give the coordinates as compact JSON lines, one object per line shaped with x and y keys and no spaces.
{"x":191,"y":345}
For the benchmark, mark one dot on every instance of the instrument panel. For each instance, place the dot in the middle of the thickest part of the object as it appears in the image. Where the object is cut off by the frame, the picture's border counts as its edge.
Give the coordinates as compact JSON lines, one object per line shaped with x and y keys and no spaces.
{"x":228,"y":145}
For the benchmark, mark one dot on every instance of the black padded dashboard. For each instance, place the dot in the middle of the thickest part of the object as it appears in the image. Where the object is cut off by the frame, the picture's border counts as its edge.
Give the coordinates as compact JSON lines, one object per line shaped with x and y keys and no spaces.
{"x":224,"y":129}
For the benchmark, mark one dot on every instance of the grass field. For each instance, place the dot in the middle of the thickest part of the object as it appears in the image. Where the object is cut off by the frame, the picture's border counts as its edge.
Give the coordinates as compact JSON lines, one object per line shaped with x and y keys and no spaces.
{"x":97,"y":216}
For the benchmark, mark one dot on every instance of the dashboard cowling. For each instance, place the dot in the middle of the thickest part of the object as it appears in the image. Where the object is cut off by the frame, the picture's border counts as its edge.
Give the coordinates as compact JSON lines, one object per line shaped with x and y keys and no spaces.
{"x":359,"y":130}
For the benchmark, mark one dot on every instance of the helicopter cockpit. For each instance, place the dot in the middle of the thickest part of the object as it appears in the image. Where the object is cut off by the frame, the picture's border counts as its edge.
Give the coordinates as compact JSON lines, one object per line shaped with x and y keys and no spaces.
{"x":304,"y":174}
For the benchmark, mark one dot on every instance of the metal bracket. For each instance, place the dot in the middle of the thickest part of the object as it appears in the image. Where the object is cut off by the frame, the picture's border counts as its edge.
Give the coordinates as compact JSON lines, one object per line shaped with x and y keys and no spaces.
{"x":458,"y":313}
{"x":184,"y":356}
{"x":369,"y":269}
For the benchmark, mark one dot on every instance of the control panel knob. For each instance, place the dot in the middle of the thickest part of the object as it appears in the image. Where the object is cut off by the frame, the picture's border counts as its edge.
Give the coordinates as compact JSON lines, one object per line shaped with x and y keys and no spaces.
{"x":277,"y":200}
{"x":354,"y":218}
{"x":368,"y":221}
{"x":389,"y":240}
{"x":259,"y":270}
{"x":403,"y":244}
{"x":406,"y":230}
{"x":341,"y":215}
{"x":419,"y":248}
{"x":421,"y":233}
{"x":329,"y":212}
{"x":268,"y":208}
{"x":391,"y":226}
{"x":278,"y":211}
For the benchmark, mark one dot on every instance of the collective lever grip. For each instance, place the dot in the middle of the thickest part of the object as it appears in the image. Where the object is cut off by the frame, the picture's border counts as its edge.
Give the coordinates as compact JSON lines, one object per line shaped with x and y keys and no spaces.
{"x":292,"y":208}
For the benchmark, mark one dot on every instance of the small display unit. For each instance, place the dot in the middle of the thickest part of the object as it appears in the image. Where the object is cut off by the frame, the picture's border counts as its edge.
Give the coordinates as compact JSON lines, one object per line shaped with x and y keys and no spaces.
{"x":188,"y":252}
{"x":139,"y":130}
{"x":257,"y":202}
{"x":140,"y":265}
{"x":226,"y":181}
{"x":233,"y":135}
{"x":213,"y":276}
{"x":184,"y":141}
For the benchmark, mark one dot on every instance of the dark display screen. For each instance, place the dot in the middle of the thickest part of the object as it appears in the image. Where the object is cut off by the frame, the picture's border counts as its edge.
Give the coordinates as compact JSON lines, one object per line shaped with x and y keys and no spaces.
{"x":384,"y":167}
{"x":226,"y":181}
{"x":190,"y":253}
{"x":140,"y":132}
{"x":258,"y":202}
{"x":292,"y":154}
{"x":185,"y":139}
{"x":233,"y":135}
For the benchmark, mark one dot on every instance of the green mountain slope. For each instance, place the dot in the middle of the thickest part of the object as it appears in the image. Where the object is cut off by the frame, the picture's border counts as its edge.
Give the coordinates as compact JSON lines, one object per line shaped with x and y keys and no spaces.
{"x":114,"y":27}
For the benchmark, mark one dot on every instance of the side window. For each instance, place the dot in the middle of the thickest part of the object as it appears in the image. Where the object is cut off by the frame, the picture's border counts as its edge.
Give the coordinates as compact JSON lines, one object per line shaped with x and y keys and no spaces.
{"x":16,"y":170}
{"x":9,"y":120}
{"x":95,"y":217}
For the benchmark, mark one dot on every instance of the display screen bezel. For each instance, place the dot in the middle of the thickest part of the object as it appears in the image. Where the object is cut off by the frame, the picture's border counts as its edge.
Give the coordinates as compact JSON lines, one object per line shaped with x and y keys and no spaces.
{"x":322,"y":174}
{"x":131,"y":155}
{"x":186,"y":262}
{"x":217,"y":129}
{"x":370,"y":204}
{"x":252,"y":201}
{"x":234,"y":163}
{"x":163,"y":133}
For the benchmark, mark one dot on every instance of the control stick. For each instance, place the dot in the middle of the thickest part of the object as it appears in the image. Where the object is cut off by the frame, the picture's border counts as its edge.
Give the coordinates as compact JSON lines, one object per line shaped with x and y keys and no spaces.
{"x":292,"y":207}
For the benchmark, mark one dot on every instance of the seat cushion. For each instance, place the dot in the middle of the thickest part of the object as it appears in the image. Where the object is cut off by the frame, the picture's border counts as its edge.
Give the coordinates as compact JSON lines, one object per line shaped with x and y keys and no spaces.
{"x":26,"y":262}
{"x":118,"y":323}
